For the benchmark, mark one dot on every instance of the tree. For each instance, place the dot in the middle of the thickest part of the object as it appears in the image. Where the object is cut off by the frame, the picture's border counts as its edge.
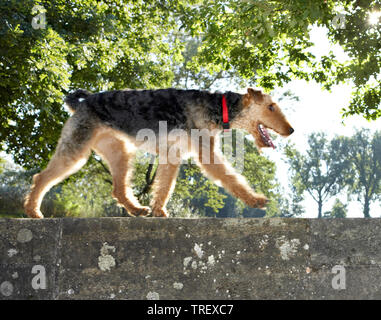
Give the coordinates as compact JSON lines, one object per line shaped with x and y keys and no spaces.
{"x":364,"y":154}
{"x":339,"y":210}
{"x":322,"y":172}
{"x":188,"y":74}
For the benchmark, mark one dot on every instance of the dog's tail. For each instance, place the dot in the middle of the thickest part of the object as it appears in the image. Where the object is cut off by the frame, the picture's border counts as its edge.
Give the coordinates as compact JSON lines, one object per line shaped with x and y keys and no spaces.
{"x":76,"y":99}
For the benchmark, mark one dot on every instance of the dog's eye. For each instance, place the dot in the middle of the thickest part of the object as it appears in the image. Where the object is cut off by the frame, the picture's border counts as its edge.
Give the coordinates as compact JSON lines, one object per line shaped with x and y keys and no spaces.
{"x":271,"y":108}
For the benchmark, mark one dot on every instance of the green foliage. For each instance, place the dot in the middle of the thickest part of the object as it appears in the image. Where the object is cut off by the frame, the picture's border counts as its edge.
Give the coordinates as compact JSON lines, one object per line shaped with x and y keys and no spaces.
{"x":178,"y":209}
{"x":361,"y":40}
{"x":189,"y":74}
{"x":87,"y":195}
{"x":268,"y":43}
{"x":196,"y":191}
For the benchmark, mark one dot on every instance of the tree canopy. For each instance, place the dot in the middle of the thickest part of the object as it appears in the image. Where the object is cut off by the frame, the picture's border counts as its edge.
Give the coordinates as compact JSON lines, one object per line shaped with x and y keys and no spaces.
{"x":269,"y":43}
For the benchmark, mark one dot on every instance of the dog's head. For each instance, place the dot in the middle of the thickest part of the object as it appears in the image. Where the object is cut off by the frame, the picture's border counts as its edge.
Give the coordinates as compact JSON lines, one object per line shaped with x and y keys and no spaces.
{"x":260,"y":113}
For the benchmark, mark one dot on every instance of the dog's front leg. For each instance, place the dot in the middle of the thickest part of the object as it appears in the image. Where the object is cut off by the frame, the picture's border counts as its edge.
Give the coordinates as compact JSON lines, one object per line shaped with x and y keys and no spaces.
{"x":216,"y":167}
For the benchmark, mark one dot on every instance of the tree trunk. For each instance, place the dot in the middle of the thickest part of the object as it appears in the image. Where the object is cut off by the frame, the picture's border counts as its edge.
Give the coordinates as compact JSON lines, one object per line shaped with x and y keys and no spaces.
{"x":366,"y":207}
{"x":320,"y":204}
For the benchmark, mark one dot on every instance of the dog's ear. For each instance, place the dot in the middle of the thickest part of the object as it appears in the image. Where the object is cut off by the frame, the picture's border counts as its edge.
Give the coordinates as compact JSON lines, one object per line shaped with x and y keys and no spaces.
{"x":256,"y":94}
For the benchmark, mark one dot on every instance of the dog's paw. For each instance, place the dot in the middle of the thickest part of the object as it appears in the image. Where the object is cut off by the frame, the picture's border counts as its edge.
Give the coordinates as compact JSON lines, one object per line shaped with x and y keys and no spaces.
{"x":258,"y":201}
{"x":160,"y":213}
{"x":35,"y":214}
{"x":141,"y":212}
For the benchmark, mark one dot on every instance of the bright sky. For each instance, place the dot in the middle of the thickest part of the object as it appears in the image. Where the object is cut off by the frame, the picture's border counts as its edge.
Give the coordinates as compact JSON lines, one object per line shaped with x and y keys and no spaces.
{"x":320,"y":110}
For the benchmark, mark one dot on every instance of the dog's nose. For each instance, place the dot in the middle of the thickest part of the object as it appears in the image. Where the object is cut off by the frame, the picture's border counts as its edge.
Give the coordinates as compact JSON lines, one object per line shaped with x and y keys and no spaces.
{"x":292,"y":130}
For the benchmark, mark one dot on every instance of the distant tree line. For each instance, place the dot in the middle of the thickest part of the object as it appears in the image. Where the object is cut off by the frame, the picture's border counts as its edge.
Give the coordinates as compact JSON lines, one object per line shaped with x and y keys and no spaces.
{"x":342,"y":165}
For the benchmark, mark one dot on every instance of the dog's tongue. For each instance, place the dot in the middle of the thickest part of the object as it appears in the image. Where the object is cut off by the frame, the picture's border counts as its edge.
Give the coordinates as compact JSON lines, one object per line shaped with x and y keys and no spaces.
{"x":269,"y":141}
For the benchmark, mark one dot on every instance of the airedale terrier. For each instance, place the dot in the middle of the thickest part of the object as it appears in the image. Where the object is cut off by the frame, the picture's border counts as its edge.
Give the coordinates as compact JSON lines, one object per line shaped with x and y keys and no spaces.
{"x":108,"y":123}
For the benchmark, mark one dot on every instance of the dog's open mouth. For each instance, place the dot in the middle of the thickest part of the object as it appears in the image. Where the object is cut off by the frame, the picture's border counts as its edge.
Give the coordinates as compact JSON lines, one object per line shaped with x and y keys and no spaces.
{"x":265,"y":136}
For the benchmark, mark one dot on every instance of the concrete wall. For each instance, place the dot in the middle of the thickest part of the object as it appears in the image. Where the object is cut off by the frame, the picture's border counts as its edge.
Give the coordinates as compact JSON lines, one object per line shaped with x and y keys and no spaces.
{"x":152,"y":258}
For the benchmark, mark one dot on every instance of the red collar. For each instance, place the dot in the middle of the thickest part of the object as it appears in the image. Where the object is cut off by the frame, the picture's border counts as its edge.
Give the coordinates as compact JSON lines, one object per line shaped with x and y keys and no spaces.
{"x":225,"y":114}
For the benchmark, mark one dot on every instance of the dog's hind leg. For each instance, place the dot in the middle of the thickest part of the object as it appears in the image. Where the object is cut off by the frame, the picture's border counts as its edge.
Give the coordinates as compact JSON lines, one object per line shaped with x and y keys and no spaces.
{"x":71,"y":154}
{"x":219,"y":170}
{"x":163,"y":186}
{"x":119,"y":158}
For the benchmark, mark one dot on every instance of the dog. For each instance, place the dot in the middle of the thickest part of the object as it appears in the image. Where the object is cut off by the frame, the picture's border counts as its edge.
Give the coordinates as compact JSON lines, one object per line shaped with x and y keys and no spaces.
{"x":109,"y":122}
